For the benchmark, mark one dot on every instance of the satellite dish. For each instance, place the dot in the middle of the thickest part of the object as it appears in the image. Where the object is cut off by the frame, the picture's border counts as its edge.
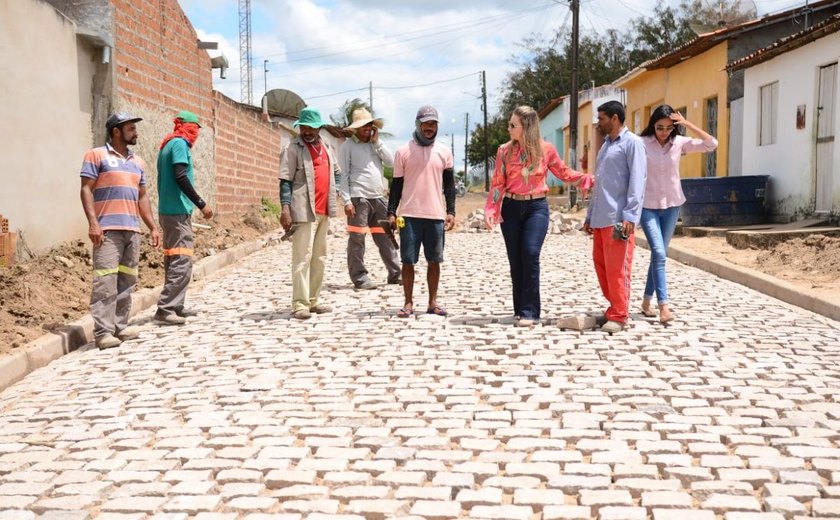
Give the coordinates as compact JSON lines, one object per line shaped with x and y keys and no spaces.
{"x":282,"y":101}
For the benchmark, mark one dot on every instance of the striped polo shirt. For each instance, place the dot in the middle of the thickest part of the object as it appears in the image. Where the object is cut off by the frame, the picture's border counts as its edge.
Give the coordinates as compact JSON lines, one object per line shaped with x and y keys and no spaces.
{"x":117,"y":189}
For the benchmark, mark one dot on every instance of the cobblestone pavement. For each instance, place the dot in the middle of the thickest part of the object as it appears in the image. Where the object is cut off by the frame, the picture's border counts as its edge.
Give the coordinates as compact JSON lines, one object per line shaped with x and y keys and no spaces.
{"x":732,"y":413}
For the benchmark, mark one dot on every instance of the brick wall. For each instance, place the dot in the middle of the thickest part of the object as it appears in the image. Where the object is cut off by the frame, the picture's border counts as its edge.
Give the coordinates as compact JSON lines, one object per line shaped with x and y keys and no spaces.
{"x":157,"y":59}
{"x":247,"y":155}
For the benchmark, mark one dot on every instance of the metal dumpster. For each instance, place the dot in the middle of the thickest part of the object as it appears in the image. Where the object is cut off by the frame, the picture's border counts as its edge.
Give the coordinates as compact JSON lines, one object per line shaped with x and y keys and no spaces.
{"x":724,"y":201}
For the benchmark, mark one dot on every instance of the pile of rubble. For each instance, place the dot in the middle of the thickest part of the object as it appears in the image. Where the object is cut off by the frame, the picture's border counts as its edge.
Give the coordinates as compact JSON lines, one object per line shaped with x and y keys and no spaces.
{"x":559,"y":223}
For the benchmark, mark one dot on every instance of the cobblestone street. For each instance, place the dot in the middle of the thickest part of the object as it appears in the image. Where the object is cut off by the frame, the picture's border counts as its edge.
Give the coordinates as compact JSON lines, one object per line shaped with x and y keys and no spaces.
{"x":732,"y":412}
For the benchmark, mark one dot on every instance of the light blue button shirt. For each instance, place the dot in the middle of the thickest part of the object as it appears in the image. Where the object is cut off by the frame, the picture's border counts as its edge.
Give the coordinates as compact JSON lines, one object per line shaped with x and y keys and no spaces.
{"x":620,"y":174}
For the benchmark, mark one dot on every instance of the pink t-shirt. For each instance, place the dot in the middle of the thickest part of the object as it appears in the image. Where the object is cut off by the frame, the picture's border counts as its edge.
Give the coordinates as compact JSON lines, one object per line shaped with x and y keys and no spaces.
{"x":422,"y":169}
{"x":663,"y":189}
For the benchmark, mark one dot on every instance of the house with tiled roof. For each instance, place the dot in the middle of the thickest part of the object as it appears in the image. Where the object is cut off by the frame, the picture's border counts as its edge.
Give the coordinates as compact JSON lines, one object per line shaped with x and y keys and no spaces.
{"x":791,"y":114}
{"x":693,"y":79}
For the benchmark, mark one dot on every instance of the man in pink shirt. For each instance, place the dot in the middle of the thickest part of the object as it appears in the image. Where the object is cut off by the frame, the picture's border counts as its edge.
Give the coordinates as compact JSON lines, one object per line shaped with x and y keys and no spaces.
{"x":423,"y":177}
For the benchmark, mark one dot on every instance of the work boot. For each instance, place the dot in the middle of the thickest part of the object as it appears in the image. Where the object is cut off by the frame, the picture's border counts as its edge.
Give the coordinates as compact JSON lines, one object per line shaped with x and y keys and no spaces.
{"x":611,"y":327}
{"x":107,"y":341}
{"x":301,"y":314}
{"x":168,"y":318}
{"x":395,"y":281}
{"x":185,"y":313}
{"x":128,"y":333}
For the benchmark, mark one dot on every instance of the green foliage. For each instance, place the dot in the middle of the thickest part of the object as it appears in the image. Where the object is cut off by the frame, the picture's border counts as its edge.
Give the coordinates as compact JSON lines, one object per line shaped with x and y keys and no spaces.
{"x":269,"y":207}
{"x":543,"y":70}
{"x":388,"y":173}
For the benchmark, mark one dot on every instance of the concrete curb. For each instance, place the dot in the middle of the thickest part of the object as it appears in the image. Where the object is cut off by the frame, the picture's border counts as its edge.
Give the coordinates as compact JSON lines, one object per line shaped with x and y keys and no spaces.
{"x":779,"y":289}
{"x":71,"y":337}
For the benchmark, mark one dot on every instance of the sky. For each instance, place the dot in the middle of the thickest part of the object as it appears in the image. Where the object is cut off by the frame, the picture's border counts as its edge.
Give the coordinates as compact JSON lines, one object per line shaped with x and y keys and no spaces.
{"x":411,"y":52}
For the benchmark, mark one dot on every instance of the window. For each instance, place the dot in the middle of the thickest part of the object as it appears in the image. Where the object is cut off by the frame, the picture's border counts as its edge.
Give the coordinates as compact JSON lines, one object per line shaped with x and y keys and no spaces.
{"x":768,"y":101}
{"x":684,"y":112}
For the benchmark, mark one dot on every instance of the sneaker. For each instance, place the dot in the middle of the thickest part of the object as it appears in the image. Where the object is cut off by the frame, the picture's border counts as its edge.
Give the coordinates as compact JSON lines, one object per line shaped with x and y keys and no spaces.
{"x":366,"y":285}
{"x":107,"y":341}
{"x":611,"y":327}
{"x":186,"y":313}
{"x":320,"y":309}
{"x":170,"y":318}
{"x":301,"y":314}
{"x":525,"y":322}
{"x":128,"y":333}
{"x":600,"y":320}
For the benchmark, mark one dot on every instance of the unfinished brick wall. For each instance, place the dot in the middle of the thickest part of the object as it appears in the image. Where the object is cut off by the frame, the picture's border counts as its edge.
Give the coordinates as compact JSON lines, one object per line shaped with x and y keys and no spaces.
{"x":157,"y":59}
{"x":247,"y":155}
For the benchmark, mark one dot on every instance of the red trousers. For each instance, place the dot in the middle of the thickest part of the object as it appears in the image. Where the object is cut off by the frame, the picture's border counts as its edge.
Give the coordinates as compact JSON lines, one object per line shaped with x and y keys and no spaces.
{"x":613,"y":260}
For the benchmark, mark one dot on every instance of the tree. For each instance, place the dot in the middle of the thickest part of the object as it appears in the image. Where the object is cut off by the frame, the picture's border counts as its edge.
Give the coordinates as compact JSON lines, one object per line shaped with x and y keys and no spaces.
{"x":344,"y":116}
{"x":497,"y":135}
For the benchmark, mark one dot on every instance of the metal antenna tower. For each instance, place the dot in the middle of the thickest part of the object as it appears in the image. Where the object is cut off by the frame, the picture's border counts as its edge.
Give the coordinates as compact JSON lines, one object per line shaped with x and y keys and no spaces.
{"x":246,"y":77}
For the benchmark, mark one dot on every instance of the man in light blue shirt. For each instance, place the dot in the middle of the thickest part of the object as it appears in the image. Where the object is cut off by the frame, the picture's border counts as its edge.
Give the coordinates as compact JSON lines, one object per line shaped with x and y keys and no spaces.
{"x":614,"y":211}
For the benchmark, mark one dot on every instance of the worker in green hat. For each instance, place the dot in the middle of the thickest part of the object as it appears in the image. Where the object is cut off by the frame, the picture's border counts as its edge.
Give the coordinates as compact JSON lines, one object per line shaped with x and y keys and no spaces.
{"x":177,"y":198}
{"x":308,"y":174}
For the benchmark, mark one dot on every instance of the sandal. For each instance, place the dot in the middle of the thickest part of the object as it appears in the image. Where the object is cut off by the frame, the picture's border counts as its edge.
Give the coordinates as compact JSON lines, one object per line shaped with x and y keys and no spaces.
{"x":647,"y":311}
{"x":437,"y":310}
{"x":405,"y":312}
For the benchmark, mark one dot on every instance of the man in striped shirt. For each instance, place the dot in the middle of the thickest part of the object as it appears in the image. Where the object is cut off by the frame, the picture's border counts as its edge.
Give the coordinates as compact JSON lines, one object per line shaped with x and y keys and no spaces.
{"x":114,"y":199}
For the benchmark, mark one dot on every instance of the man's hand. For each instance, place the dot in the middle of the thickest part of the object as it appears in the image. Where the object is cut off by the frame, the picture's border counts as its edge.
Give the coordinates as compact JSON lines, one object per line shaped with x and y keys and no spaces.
{"x":627,"y":228}
{"x":286,"y":218}
{"x":207,"y":212}
{"x":449,"y":223}
{"x":155,"y":236}
{"x":95,"y":234}
{"x":392,"y":219}
{"x":350,"y":210}
{"x":374,"y":134}
{"x":587,"y":228}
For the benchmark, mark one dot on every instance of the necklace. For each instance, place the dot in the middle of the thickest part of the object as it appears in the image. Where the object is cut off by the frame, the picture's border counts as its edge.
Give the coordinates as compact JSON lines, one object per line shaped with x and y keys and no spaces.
{"x":319,"y":150}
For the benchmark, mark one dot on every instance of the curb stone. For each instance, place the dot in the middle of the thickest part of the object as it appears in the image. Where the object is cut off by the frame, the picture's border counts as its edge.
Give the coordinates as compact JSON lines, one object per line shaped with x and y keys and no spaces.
{"x":41,"y":351}
{"x":779,"y":289}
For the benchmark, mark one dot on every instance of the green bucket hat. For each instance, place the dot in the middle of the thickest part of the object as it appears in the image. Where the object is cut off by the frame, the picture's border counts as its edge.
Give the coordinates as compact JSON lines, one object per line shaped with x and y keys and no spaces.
{"x":188,"y":117}
{"x":310,"y":117}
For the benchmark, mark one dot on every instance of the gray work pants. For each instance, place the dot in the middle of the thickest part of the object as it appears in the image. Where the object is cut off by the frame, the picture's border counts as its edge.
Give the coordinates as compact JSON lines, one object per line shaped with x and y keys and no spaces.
{"x":177,"y":261}
{"x":114,"y":277}
{"x":368,"y":214}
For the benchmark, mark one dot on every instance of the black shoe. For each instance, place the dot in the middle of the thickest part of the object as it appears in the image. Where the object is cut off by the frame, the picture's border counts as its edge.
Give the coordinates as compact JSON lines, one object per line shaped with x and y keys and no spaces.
{"x":394,"y":281}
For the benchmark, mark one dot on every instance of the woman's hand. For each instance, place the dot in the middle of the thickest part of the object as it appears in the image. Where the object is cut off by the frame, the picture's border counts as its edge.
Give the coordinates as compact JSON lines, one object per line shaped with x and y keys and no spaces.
{"x":677,"y":118}
{"x":489,"y":221}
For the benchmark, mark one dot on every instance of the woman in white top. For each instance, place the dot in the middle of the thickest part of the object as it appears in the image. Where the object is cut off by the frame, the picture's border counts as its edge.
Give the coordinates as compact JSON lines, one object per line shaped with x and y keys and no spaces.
{"x":664,"y":195}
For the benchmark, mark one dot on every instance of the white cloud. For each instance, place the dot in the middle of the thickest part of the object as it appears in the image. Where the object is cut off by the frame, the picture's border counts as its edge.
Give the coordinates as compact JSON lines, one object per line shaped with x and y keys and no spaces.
{"x":318,"y":47}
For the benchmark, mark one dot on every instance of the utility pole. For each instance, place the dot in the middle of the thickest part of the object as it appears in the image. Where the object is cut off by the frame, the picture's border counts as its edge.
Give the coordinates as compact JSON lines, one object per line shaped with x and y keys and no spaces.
{"x":466,"y":143}
{"x":265,"y":76}
{"x":452,"y":145}
{"x":573,"y":97}
{"x":370,"y":94}
{"x":486,"y":137}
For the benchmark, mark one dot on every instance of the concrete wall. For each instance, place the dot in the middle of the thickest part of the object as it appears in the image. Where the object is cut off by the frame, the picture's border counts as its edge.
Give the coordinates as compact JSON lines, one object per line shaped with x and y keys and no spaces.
{"x":46,"y":106}
{"x":791,"y":160}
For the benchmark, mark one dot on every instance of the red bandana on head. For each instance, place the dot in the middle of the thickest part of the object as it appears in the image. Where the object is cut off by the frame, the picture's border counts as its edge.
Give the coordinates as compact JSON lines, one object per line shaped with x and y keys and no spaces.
{"x":188,"y":131}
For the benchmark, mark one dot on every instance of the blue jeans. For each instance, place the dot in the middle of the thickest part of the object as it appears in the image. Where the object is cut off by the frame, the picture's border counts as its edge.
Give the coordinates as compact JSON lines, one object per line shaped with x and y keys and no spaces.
{"x":658,"y":225}
{"x":524,"y":226}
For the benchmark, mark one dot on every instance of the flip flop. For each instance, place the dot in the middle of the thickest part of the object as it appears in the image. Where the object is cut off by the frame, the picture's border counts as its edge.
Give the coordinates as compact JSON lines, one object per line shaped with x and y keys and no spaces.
{"x":405,"y":312}
{"x":437,"y":310}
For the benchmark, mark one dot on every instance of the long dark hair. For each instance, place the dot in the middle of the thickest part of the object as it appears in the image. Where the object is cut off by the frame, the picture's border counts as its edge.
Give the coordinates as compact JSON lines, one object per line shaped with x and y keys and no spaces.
{"x":661,"y":112}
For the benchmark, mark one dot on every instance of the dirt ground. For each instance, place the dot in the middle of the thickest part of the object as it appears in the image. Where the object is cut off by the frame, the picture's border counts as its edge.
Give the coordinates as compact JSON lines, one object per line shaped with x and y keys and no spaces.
{"x":51,"y":290}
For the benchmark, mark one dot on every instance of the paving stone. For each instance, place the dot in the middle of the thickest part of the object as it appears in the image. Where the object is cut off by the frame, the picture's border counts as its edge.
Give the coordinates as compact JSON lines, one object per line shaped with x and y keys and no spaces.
{"x":566,"y":513}
{"x":828,"y":507}
{"x":501,"y":512}
{"x":622,"y":513}
{"x":724,"y":503}
{"x":436,"y":509}
{"x":486,"y":496}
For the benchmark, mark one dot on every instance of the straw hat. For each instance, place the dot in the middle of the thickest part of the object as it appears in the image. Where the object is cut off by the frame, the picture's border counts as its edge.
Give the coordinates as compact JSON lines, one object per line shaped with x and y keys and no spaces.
{"x":361,"y":117}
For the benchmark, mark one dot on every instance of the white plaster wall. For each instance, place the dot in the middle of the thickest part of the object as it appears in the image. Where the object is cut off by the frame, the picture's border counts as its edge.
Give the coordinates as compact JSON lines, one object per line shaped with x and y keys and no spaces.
{"x":44,"y":124}
{"x":790,"y":161}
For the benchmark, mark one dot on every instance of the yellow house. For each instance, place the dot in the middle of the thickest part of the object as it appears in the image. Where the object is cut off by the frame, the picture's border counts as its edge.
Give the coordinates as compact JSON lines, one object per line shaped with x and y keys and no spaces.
{"x":694,"y":83}
{"x":693,"y":79}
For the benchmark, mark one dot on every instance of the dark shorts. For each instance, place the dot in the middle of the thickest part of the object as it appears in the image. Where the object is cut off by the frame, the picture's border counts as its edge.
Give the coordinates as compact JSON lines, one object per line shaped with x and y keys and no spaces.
{"x":421,"y":231}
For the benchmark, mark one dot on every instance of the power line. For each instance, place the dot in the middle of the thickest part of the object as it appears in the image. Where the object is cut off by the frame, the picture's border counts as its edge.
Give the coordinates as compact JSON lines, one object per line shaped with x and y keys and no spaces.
{"x":404,"y":87}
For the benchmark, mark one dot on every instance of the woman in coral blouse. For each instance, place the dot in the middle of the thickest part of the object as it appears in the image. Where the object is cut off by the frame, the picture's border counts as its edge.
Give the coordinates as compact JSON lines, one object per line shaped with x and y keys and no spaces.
{"x":664,"y":195}
{"x":517,"y":201}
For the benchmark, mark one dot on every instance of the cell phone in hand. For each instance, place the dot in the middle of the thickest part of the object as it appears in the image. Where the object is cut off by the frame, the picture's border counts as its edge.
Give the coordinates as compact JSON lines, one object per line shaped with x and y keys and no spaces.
{"x":618,"y":231}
